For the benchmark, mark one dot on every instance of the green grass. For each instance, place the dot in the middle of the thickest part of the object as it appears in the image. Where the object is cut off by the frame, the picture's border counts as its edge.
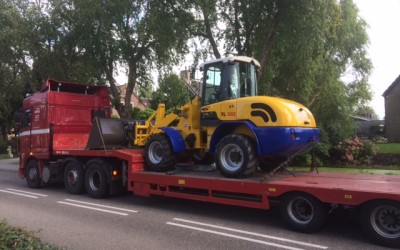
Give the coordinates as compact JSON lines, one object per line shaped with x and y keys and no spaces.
{"x":389,"y":148}
{"x":4,"y":156}
{"x":350,"y":170}
{"x":18,"y":238}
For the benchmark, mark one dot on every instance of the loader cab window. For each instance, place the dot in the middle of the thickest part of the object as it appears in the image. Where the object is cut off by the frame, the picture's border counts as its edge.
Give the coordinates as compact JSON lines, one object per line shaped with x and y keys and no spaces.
{"x":212,"y":83}
{"x":247,"y":75}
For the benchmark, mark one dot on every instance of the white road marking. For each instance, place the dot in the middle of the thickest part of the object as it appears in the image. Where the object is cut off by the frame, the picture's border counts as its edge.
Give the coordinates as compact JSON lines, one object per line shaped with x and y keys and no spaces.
{"x":92,"y":208}
{"x":25,"y":192}
{"x":234,"y":236}
{"x":252,"y":233}
{"x":99,"y":205}
{"x":25,"y":195}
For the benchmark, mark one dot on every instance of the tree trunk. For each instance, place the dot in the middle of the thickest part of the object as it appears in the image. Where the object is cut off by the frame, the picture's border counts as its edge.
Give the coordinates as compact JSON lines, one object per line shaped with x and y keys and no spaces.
{"x":209,"y":34}
{"x":266,"y":51}
{"x":132,"y":75}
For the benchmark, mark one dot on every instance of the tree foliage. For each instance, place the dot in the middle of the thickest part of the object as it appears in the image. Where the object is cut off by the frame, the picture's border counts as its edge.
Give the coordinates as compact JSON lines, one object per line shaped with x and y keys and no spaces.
{"x":172,"y":92}
{"x":311,"y":51}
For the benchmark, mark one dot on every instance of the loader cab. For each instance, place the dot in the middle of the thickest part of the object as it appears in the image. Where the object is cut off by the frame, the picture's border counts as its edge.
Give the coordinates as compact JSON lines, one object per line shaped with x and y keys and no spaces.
{"x":229,"y":78}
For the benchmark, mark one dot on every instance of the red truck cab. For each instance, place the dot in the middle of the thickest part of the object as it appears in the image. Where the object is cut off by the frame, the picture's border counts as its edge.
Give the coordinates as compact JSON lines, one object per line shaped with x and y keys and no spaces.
{"x":59,"y":117}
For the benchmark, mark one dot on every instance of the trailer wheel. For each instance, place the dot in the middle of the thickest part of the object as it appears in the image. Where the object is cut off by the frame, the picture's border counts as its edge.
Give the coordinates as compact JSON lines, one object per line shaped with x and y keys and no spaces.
{"x":381,"y":222}
{"x":235,"y":156}
{"x":74,"y":177}
{"x":32,"y":174}
{"x":303,"y":212}
{"x":96,"y":183}
{"x":158,"y":154}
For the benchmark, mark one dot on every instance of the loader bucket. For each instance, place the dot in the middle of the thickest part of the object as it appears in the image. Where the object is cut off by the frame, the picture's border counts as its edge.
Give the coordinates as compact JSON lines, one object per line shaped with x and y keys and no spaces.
{"x":106,"y":133}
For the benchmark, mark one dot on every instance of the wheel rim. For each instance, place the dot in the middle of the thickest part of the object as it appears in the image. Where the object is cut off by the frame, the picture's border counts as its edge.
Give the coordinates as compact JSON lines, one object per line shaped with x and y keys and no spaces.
{"x":32,"y":173}
{"x":94,"y":181}
{"x":232,"y":157}
{"x":386,"y":221}
{"x":72,"y":177}
{"x":300,"y":210}
{"x":155,"y":152}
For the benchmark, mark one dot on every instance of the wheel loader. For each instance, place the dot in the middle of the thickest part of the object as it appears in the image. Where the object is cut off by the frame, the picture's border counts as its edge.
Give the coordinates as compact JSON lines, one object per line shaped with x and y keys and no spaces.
{"x":227,"y":123}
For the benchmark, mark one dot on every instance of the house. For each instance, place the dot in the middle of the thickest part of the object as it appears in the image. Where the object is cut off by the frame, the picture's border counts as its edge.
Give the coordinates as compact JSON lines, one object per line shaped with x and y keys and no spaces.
{"x":368,"y":127}
{"x":392,"y":111}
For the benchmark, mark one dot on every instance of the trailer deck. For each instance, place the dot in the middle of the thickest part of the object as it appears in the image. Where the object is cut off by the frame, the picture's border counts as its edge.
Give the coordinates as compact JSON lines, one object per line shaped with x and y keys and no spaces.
{"x":345,"y":189}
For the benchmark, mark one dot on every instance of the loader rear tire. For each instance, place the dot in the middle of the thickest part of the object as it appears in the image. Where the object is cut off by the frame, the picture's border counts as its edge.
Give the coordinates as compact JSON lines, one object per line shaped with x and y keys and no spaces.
{"x":158,"y":154}
{"x":235,"y":156}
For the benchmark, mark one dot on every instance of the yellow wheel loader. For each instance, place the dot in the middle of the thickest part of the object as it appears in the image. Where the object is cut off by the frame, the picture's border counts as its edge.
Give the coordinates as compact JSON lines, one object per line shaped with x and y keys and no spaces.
{"x":227,"y":123}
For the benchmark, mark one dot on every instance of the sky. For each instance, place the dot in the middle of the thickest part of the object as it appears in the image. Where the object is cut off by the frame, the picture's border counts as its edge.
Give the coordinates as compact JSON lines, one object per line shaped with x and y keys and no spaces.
{"x":383,"y":18}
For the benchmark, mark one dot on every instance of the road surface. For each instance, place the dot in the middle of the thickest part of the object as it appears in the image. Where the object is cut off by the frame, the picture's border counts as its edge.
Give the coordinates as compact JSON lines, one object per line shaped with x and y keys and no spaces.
{"x":129,"y":222}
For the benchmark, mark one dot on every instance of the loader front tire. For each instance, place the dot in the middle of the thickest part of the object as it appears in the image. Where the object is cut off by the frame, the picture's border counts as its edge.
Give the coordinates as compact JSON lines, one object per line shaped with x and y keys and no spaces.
{"x":235,"y":156}
{"x":158,"y":154}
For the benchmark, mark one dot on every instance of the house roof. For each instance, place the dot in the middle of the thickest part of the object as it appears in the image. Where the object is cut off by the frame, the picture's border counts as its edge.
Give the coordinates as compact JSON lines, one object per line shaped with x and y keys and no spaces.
{"x":391,"y":87}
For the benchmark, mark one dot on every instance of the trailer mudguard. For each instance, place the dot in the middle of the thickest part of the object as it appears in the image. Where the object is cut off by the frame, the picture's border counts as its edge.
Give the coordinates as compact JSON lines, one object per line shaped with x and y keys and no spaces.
{"x":177,"y":141}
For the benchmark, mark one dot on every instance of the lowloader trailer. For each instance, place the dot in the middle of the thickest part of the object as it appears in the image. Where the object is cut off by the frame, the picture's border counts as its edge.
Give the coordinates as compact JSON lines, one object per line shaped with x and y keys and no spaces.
{"x":65,"y":132}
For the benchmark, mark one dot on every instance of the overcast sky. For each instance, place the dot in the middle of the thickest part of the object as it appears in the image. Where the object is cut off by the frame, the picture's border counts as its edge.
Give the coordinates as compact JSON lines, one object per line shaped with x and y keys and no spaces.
{"x":383,"y":18}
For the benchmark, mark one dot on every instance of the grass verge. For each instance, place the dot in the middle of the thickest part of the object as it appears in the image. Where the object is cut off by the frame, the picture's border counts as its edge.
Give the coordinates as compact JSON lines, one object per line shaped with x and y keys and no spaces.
{"x":17,"y":238}
{"x":4,"y":156}
{"x":350,"y":170}
{"x":389,"y":148}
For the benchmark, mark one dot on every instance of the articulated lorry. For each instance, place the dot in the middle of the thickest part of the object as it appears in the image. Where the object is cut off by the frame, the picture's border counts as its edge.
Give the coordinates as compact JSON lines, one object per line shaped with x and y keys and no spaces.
{"x":221,"y":147}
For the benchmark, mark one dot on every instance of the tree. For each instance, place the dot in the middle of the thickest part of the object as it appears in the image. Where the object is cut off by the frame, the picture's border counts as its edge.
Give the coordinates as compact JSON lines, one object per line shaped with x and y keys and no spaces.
{"x":172,"y":92}
{"x":14,"y":67}
{"x":138,"y":35}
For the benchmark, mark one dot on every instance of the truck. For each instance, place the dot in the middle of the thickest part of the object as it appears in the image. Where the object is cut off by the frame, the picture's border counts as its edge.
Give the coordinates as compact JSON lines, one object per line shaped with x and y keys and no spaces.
{"x":66,"y":133}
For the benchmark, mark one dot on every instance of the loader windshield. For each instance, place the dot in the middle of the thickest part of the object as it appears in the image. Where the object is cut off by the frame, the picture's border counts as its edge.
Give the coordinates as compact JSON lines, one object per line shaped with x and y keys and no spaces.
{"x":228,"y":80}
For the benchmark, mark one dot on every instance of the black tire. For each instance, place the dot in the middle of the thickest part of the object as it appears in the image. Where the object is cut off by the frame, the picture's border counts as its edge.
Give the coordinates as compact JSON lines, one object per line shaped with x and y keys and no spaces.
{"x":74,"y":177}
{"x":302,"y":212}
{"x":96,"y":182}
{"x":380,"y":220}
{"x":158,"y":154}
{"x":32,"y":174}
{"x":235,"y":156}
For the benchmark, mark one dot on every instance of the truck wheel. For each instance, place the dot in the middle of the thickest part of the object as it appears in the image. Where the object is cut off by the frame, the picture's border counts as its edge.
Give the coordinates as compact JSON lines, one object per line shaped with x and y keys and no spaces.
{"x":96,"y":183}
{"x":235,"y":156}
{"x":32,"y":174}
{"x":381,"y":222}
{"x":303,"y":212}
{"x":74,"y":177}
{"x":158,"y":154}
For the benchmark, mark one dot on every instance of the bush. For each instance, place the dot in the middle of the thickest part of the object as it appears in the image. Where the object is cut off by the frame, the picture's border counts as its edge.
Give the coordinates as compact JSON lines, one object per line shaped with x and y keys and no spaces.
{"x":380,"y":140}
{"x":141,"y":114}
{"x":3,"y":147}
{"x":356,"y":151}
{"x":16,"y":238}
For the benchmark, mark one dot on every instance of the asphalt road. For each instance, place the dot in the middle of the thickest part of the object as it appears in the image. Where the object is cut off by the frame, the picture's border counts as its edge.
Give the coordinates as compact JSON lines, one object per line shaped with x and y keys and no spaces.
{"x":130,"y":222}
